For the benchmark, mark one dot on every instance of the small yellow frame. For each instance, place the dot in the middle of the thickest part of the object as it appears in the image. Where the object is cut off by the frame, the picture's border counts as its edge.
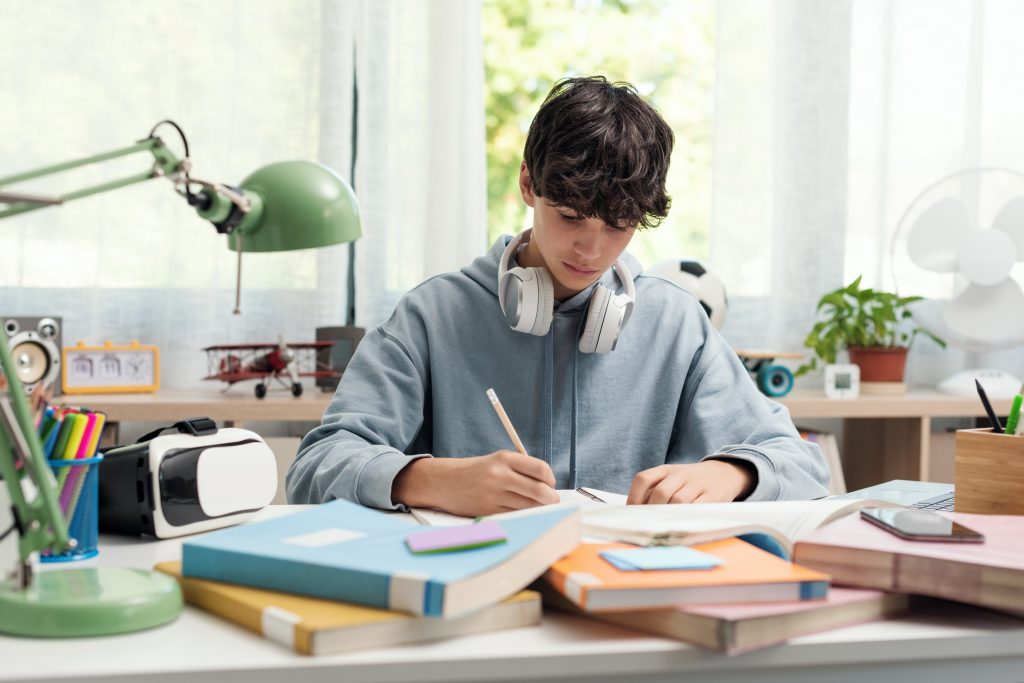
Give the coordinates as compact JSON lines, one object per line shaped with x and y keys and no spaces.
{"x":110,"y":369}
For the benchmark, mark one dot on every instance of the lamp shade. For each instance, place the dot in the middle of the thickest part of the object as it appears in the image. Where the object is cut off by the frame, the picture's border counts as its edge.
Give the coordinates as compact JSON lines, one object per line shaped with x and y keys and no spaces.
{"x":297,"y":205}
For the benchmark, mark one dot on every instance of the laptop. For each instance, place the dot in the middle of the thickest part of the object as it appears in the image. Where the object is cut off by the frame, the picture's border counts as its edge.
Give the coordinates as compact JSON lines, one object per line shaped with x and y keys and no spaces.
{"x":923,"y":495}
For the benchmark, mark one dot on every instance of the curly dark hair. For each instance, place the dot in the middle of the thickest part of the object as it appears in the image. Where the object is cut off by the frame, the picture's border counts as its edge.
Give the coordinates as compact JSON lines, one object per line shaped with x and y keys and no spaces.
{"x":599,"y":149}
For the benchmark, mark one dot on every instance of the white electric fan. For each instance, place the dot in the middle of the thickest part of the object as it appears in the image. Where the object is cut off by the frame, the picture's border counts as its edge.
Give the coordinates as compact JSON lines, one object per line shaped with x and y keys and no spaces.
{"x":960,"y":244}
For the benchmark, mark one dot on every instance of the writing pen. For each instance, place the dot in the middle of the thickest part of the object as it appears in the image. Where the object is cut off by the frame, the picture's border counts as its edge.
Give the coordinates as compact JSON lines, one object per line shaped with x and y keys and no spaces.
{"x":505,"y":421}
{"x":1014,"y":417}
{"x":996,"y":427}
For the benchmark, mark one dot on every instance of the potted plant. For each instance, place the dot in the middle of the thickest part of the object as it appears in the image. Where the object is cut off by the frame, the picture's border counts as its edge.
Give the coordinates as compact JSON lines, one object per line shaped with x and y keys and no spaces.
{"x":870,"y":324}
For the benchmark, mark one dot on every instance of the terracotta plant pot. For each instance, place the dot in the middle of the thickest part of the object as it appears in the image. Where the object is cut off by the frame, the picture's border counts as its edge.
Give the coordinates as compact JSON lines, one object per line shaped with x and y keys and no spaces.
{"x":879,"y":363}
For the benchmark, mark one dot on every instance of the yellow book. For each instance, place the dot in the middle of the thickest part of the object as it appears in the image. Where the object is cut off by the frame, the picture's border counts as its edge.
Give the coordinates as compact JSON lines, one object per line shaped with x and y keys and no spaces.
{"x":313,"y":626}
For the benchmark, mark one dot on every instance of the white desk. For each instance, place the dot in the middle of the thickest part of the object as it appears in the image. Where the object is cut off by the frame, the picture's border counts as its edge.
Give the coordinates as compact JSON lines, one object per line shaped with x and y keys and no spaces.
{"x":952,"y":644}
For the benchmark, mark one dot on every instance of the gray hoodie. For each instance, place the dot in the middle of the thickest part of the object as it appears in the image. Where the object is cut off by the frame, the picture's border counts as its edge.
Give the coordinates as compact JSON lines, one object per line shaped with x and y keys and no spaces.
{"x":672,"y":391}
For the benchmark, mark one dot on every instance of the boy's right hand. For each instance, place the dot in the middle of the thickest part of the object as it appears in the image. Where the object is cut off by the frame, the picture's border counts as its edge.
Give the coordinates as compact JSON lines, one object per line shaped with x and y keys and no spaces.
{"x":474,"y":486}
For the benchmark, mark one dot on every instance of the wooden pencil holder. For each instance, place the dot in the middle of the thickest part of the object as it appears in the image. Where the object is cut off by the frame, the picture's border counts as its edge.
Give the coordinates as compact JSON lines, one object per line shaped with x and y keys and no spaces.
{"x":989,"y":472}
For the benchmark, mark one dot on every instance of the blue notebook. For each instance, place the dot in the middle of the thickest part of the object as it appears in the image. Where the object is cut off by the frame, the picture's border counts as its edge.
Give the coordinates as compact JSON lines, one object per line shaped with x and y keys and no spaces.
{"x":344,"y":551}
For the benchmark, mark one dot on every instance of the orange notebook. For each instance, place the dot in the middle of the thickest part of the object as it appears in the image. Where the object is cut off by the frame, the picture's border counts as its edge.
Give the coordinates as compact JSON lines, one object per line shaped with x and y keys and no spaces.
{"x":747,"y":574}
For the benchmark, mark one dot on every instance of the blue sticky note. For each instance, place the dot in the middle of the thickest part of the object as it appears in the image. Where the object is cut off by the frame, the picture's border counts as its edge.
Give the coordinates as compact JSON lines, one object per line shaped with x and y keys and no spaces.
{"x":668,"y":557}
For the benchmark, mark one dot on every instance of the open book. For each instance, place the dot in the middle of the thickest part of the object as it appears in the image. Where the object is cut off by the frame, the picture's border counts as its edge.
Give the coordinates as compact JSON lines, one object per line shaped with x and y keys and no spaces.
{"x":782,"y":522}
{"x":583,"y":498}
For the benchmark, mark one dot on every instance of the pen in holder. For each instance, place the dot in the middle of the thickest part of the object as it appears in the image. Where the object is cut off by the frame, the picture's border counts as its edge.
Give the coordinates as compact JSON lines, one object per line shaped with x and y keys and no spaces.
{"x":79,"y":503}
{"x":989,"y":472}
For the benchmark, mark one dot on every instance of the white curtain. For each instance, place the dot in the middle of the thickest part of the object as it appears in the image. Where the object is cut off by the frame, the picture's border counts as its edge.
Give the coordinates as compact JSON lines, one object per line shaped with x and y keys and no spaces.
{"x":421,"y":166}
{"x":250,"y":83}
{"x":830,"y":118}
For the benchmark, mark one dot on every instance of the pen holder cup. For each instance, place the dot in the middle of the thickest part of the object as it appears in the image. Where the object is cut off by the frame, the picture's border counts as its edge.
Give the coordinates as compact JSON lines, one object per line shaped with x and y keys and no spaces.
{"x":989,"y":472}
{"x":78,"y":497}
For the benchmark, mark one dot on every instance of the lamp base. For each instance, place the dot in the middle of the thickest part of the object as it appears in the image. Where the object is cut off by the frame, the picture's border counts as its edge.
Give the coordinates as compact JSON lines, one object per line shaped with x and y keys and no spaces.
{"x":89,"y":602}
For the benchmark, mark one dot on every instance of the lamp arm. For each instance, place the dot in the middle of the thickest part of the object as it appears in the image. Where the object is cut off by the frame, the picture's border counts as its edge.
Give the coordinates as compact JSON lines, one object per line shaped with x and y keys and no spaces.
{"x":30,"y":483}
{"x":165,"y":164}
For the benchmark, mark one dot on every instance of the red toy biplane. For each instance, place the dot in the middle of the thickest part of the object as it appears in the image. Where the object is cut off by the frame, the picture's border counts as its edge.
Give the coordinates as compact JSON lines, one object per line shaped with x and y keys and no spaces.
{"x":286,"y":363}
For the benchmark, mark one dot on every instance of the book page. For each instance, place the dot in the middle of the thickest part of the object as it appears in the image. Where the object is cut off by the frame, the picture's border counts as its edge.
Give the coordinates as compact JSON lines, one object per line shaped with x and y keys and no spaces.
{"x":789,"y":520}
{"x":583,"y":498}
{"x":588,"y":496}
{"x":429,"y":517}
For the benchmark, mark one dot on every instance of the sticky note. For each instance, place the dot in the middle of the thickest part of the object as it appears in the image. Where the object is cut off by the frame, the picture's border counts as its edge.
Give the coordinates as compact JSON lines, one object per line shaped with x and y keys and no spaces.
{"x":453,"y":538}
{"x":660,"y":558}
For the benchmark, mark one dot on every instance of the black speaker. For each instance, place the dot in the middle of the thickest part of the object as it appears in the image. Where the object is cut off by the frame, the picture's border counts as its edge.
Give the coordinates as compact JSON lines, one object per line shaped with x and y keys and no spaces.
{"x":345,"y":339}
{"x":35,"y":349}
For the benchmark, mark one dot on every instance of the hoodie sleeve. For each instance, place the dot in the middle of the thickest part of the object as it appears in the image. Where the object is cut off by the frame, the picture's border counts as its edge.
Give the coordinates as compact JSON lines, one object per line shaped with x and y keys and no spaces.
{"x":723,"y":416}
{"x":376,"y":413}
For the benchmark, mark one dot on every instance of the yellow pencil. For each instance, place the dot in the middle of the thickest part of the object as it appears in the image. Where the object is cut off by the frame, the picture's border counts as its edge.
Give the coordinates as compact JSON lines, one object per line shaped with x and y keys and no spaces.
{"x":505,"y":421}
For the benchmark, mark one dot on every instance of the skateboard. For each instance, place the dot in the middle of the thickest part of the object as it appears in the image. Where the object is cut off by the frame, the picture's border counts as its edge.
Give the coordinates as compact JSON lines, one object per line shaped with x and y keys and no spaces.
{"x":773,"y":380}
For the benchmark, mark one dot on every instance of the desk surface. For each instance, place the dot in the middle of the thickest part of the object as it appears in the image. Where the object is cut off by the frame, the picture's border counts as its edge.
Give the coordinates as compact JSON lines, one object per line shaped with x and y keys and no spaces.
{"x":240,"y":405}
{"x":950,"y":643}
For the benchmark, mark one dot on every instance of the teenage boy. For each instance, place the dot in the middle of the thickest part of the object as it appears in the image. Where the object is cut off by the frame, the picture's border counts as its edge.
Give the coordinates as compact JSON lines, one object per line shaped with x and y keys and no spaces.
{"x":612,"y":379}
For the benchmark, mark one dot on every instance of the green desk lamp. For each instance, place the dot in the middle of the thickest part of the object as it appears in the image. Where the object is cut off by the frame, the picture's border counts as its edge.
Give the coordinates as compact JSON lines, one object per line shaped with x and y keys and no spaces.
{"x":281,"y":207}
{"x":71,"y":602}
{"x":284,"y":206}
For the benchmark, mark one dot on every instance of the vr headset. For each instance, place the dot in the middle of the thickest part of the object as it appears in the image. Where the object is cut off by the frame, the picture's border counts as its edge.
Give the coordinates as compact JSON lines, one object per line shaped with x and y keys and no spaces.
{"x":196,"y":479}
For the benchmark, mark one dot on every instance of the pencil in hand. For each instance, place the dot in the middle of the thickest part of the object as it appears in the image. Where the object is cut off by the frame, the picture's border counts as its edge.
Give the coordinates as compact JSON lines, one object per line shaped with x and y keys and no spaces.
{"x":505,"y":421}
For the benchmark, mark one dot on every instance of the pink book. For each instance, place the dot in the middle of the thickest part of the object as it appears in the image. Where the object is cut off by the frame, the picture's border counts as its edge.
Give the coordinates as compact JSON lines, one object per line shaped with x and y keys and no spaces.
{"x":748,"y":626}
{"x":990,"y":574}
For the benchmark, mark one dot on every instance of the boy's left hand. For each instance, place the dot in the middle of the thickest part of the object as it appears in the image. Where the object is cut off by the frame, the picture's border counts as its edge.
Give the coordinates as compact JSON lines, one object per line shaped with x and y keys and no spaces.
{"x":709,"y":481}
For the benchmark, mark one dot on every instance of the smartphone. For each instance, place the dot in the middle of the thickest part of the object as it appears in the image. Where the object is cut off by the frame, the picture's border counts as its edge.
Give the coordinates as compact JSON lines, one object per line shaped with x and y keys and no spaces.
{"x":920,"y":525}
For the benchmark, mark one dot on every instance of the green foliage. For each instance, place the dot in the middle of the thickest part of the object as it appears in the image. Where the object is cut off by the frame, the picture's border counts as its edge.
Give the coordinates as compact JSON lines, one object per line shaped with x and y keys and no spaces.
{"x":851,"y":316}
{"x":665,"y":48}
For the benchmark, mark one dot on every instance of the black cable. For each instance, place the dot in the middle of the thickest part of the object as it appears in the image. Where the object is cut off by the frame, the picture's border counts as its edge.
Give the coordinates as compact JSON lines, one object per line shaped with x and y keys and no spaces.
{"x":184,"y":142}
{"x":8,"y":532}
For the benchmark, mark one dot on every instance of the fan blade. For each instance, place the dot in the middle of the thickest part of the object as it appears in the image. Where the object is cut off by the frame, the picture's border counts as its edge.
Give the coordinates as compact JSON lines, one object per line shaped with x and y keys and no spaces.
{"x":985,"y":257}
{"x":988,"y":317}
{"x":1010,"y":220}
{"x":933,"y":239}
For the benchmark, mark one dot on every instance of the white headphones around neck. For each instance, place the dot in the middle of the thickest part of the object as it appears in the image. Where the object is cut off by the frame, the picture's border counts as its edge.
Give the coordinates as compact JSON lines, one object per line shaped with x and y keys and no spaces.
{"x":527,"y":298}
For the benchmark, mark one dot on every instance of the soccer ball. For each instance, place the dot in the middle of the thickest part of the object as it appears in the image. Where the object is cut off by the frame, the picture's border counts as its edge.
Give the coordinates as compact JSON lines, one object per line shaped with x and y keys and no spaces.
{"x":697,"y":279}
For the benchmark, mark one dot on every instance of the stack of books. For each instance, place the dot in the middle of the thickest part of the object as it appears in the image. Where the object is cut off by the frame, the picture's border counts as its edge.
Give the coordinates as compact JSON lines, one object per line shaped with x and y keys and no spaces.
{"x":340,"y":576}
{"x":754,"y":597}
{"x":872,"y":574}
{"x":988,"y":574}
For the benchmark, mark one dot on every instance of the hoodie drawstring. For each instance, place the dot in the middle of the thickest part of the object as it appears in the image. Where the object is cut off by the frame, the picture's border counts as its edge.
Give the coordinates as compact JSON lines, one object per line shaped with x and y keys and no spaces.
{"x":573,"y":463}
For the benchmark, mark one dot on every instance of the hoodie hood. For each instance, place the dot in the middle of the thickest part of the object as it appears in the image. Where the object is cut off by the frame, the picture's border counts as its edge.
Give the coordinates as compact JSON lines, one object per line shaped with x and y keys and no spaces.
{"x":484,"y":271}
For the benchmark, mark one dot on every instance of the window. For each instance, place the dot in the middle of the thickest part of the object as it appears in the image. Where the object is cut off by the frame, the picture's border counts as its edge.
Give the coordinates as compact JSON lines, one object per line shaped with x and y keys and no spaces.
{"x":664,"y":48}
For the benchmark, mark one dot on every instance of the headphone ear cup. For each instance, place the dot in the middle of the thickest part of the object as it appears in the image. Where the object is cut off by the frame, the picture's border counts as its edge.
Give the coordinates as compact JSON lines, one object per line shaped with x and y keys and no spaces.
{"x":545,"y":302}
{"x":595,"y":319}
{"x":615,"y":316}
{"x":527,"y":297}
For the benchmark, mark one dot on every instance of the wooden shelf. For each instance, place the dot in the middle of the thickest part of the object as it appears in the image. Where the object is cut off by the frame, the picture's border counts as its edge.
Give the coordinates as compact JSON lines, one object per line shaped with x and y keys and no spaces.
{"x":885,"y":436}
{"x":917,"y":402}
{"x":234,"y":406}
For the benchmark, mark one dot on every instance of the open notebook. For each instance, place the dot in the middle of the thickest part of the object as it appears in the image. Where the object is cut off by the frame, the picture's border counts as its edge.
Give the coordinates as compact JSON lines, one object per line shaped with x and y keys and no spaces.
{"x":771,"y":525}
{"x":583,"y":498}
